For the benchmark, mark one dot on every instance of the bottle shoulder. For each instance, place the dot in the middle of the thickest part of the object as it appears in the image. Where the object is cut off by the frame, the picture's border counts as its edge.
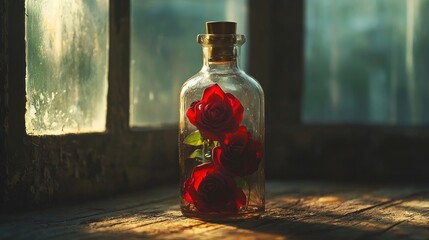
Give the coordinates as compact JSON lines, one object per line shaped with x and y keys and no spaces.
{"x":231,"y":81}
{"x":255,"y":83}
{"x":192,"y":83}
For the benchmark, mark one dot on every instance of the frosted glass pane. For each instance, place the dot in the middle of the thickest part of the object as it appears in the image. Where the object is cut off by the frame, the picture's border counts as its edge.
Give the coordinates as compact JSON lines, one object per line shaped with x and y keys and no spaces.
{"x":67,"y":63}
{"x":164,"y":52}
{"x":367,"y":62}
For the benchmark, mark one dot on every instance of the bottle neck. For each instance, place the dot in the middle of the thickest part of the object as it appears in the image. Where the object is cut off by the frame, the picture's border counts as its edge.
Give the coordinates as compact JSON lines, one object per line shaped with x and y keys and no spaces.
{"x":221,"y":57}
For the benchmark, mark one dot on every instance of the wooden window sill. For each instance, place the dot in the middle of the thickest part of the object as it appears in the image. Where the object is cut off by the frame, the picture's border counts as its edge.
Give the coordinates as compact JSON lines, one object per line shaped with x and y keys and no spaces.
{"x":295,"y":210}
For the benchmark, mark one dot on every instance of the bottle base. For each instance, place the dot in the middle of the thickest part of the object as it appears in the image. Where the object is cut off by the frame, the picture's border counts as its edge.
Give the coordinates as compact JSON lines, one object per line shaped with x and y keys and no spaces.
{"x":250,"y":213}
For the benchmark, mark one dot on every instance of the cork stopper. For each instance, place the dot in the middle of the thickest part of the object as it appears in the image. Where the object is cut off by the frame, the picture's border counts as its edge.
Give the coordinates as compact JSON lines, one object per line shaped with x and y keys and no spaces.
{"x":221,"y":40}
{"x":221,"y":27}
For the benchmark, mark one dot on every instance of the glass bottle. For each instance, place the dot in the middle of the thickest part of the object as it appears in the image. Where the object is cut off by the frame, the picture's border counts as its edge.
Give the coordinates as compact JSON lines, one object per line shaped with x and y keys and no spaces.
{"x":221,"y":133}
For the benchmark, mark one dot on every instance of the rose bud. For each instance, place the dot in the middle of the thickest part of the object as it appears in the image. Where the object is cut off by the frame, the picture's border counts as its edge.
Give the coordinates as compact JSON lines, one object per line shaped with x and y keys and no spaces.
{"x":238,"y":154}
{"x":216,"y":114}
{"x":212,"y":191}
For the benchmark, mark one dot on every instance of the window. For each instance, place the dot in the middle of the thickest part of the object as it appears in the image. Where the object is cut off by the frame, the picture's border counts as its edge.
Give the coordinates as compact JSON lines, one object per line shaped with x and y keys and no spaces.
{"x":366,"y":62}
{"x":67,"y":66}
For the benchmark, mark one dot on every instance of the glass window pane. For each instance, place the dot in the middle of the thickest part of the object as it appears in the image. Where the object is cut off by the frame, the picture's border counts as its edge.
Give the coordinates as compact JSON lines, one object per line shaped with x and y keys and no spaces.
{"x":366,"y":61}
{"x":67,"y":63}
{"x":164,"y":52}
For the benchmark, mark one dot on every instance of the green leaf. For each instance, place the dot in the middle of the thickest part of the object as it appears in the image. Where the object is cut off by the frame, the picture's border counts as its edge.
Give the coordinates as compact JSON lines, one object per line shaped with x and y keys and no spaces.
{"x":194,"y":139}
{"x":241,"y":182}
{"x":197,"y":154}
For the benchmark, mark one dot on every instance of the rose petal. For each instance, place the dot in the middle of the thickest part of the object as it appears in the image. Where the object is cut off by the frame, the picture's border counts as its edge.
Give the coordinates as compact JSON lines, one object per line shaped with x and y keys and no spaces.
{"x":200,"y":172}
{"x":237,"y":108}
{"x":231,"y":136}
{"x":240,"y":155}
{"x":240,"y":198}
{"x":216,"y":152}
{"x":213,"y":93}
{"x":187,"y":197}
{"x":191,"y":113}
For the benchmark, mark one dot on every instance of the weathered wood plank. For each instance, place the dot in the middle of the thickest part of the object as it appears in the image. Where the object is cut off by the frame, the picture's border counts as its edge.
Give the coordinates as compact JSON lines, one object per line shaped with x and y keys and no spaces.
{"x":295,"y":210}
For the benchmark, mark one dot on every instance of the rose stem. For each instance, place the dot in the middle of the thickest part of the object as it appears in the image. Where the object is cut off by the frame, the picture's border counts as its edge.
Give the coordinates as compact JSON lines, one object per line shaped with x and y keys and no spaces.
{"x":205,"y":142}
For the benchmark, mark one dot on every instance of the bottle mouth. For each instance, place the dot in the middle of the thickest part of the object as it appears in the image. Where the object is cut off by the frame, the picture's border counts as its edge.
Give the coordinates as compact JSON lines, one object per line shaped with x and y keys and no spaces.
{"x":221,"y":40}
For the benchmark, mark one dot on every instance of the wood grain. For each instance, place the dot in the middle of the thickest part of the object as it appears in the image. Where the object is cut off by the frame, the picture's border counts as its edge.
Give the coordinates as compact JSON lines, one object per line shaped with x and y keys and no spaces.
{"x":295,"y":210}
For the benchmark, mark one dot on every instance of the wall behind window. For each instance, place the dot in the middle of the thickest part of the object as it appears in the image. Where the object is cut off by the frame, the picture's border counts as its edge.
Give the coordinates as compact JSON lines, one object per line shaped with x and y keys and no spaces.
{"x":366,"y":62}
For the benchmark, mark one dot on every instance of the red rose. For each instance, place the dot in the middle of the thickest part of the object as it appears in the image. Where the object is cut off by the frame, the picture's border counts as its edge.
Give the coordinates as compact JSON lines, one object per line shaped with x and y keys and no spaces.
{"x":238,"y":154}
{"x":211,"y":191}
{"x":216,"y":114}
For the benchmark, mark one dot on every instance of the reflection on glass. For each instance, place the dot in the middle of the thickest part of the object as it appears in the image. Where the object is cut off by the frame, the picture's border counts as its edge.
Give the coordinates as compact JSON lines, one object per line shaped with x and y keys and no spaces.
{"x":164,"y":52}
{"x":366,"y":61}
{"x":67,"y":62}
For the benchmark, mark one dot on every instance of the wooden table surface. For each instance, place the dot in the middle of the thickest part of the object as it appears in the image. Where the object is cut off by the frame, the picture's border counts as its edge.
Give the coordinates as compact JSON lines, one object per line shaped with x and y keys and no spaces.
{"x":295,"y":210}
